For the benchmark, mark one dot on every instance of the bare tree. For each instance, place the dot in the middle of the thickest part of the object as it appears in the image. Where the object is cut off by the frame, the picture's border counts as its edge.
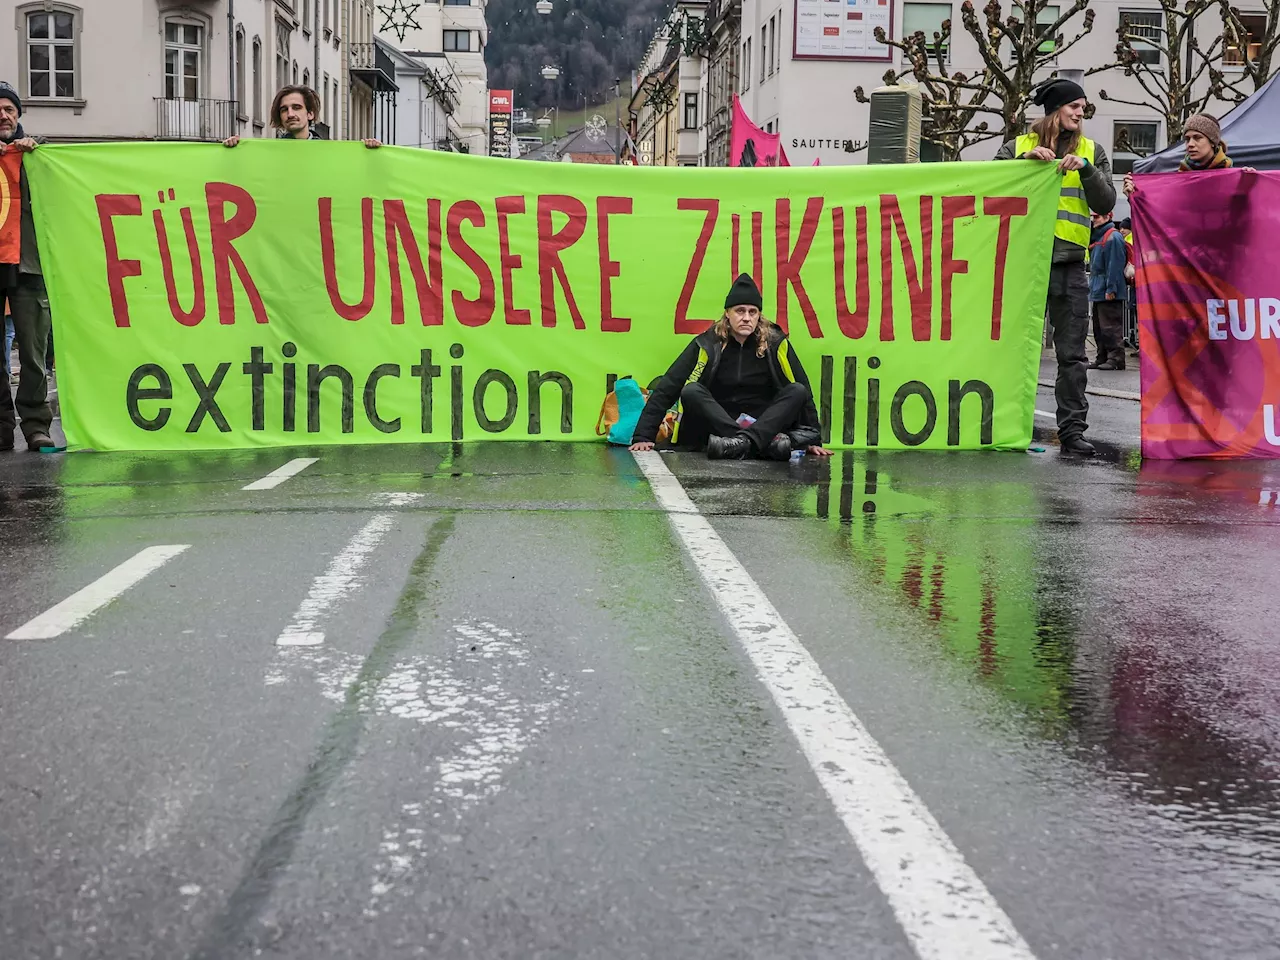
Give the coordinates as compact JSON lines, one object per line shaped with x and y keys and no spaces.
{"x":1171,"y":85}
{"x":1015,"y":56}
{"x":1257,"y":68}
{"x":967,"y":108}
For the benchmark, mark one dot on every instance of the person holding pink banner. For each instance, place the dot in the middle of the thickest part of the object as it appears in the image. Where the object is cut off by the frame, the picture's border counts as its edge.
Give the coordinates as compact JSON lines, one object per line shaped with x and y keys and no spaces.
{"x":1206,"y":150}
{"x":1058,"y":138}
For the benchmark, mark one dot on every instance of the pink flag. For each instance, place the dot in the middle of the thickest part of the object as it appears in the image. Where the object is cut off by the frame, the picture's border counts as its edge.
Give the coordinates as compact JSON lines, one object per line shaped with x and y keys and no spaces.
{"x":749,"y":146}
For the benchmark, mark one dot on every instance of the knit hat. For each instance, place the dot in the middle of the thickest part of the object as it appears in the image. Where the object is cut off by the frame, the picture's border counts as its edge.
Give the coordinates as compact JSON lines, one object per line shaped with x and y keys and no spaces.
{"x":1056,"y":93}
{"x":744,"y":291}
{"x":8,"y":93}
{"x":1204,"y":125}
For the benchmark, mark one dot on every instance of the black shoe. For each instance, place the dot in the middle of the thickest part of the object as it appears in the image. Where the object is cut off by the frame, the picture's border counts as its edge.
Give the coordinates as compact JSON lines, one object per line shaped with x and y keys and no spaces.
{"x":1095,"y":365}
{"x":728,"y":448}
{"x":1108,"y":366}
{"x":779,"y":447}
{"x":38,"y":440}
{"x":1077,"y":446}
{"x":6,"y":439}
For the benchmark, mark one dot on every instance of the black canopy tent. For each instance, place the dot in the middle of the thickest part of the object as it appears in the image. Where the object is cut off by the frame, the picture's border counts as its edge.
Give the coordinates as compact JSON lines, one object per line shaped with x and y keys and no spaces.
{"x":1251,"y":130}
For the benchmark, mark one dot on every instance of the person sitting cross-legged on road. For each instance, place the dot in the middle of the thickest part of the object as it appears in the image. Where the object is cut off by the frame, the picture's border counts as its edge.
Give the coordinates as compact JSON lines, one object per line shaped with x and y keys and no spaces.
{"x":742,"y":388}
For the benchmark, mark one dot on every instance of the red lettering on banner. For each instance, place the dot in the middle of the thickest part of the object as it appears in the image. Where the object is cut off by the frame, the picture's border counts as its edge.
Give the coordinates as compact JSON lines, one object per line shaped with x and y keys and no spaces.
{"x":111,"y":205}
{"x":1006,"y":208}
{"x":791,"y":259}
{"x":953,"y":209}
{"x":551,"y":243}
{"x":757,"y":250}
{"x":919,"y":282}
{"x":348,"y":311}
{"x":683,"y":325}
{"x":196,"y":313}
{"x":509,"y":262}
{"x":428,"y":284}
{"x":222,"y":234}
{"x":477,"y":312}
{"x":610,"y":268}
{"x":853,"y":323}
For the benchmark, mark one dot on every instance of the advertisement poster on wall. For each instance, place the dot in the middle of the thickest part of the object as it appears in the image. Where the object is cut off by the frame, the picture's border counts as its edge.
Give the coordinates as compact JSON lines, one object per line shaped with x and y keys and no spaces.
{"x":841,"y":30}
{"x":500,"y":123}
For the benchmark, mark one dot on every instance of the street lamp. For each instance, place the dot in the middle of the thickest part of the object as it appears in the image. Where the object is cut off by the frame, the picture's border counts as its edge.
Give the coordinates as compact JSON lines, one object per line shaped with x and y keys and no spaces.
{"x":550,"y":73}
{"x":543,"y":7}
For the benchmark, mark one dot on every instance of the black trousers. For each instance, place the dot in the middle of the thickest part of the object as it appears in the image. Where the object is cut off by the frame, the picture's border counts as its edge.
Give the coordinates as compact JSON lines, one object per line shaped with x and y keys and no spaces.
{"x":1108,"y":330}
{"x":29,"y":304}
{"x":777,"y":418}
{"x":1069,"y":314}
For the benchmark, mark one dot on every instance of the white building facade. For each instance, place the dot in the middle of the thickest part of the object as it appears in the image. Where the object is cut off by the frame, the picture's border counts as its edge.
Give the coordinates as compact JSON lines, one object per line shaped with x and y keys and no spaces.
{"x":454,"y":30}
{"x":172,"y":69}
{"x":800,"y":61}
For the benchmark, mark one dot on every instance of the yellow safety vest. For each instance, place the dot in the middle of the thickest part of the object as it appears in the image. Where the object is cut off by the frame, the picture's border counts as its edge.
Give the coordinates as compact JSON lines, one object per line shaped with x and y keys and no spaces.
{"x":1073,"y":209}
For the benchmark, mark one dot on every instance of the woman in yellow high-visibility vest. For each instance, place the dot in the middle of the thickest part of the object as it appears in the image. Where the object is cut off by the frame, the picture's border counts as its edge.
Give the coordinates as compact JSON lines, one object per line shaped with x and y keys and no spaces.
{"x":1086,"y":185}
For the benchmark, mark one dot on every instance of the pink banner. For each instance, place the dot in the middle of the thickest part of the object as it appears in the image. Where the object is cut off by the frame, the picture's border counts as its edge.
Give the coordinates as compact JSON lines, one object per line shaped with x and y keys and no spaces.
{"x":749,"y":146}
{"x":1209,"y":313}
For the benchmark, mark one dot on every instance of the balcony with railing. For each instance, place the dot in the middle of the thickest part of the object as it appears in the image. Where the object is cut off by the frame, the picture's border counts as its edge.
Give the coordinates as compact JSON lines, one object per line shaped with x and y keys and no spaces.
{"x":374,"y":66}
{"x":195,"y":119}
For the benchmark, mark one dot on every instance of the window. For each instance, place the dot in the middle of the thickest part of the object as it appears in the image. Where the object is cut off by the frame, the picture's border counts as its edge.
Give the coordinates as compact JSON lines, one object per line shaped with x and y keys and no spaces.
{"x":295,"y":73}
{"x":746,"y":64}
{"x":1255,"y":25}
{"x":324,"y":100}
{"x":257,"y":81}
{"x":926,"y":18}
{"x":1146,"y":31}
{"x":457,"y":41}
{"x":183,"y":53}
{"x":1135,"y":137}
{"x":764,"y":46}
{"x":328,"y":29}
{"x":691,"y":111}
{"x":457,"y":3}
{"x":282,"y":54}
{"x":305,"y":8}
{"x":772,"y":34}
{"x":51,"y":51}
{"x":1045,"y":19}
{"x":239,"y":92}
{"x":306,"y":78}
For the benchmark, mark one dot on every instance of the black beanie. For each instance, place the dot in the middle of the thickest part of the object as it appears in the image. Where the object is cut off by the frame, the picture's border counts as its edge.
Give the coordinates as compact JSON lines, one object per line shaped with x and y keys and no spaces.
{"x":1056,"y":93}
{"x":744,"y":291}
{"x":8,"y":93}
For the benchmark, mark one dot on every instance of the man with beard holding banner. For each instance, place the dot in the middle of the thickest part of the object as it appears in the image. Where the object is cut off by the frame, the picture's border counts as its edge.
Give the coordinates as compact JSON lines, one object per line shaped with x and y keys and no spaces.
{"x":1086,"y":185}
{"x":741,"y":387}
{"x":22,"y":284}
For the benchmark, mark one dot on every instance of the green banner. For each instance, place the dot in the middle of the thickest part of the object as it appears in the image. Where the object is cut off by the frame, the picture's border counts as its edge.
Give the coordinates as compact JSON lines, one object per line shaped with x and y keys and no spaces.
{"x":280,"y":293}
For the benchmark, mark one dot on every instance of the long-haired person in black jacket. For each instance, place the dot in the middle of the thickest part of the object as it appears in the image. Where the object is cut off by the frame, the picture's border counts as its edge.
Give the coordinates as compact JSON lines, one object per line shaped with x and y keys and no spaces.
{"x":739,"y":370}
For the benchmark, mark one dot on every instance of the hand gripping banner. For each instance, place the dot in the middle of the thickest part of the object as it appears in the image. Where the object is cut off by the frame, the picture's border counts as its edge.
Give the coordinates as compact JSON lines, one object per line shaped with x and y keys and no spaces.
{"x":300,"y":293}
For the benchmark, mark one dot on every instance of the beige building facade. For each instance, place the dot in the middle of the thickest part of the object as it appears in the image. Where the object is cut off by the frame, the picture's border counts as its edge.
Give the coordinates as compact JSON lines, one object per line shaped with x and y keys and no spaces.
{"x":179,"y":69}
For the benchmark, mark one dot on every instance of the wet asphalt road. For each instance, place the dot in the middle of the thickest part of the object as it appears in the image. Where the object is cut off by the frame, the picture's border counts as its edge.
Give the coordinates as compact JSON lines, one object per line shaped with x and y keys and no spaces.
{"x":529,"y":731}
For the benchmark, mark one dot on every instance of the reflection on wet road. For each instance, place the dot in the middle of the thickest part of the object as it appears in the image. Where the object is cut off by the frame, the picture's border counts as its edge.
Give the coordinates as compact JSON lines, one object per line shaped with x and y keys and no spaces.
{"x":1072,"y":663}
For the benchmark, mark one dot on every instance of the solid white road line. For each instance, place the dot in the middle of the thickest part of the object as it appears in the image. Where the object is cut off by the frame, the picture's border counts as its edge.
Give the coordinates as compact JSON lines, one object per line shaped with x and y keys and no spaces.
{"x":1045,"y":413}
{"x":341,"y":577}
{"x":942,"y":905}
{"x":85,"y":603}
{"x":281,"y":474}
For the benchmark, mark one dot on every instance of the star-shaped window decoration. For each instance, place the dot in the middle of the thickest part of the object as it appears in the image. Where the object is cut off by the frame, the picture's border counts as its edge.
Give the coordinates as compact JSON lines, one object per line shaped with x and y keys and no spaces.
{"x":398,"y":17}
